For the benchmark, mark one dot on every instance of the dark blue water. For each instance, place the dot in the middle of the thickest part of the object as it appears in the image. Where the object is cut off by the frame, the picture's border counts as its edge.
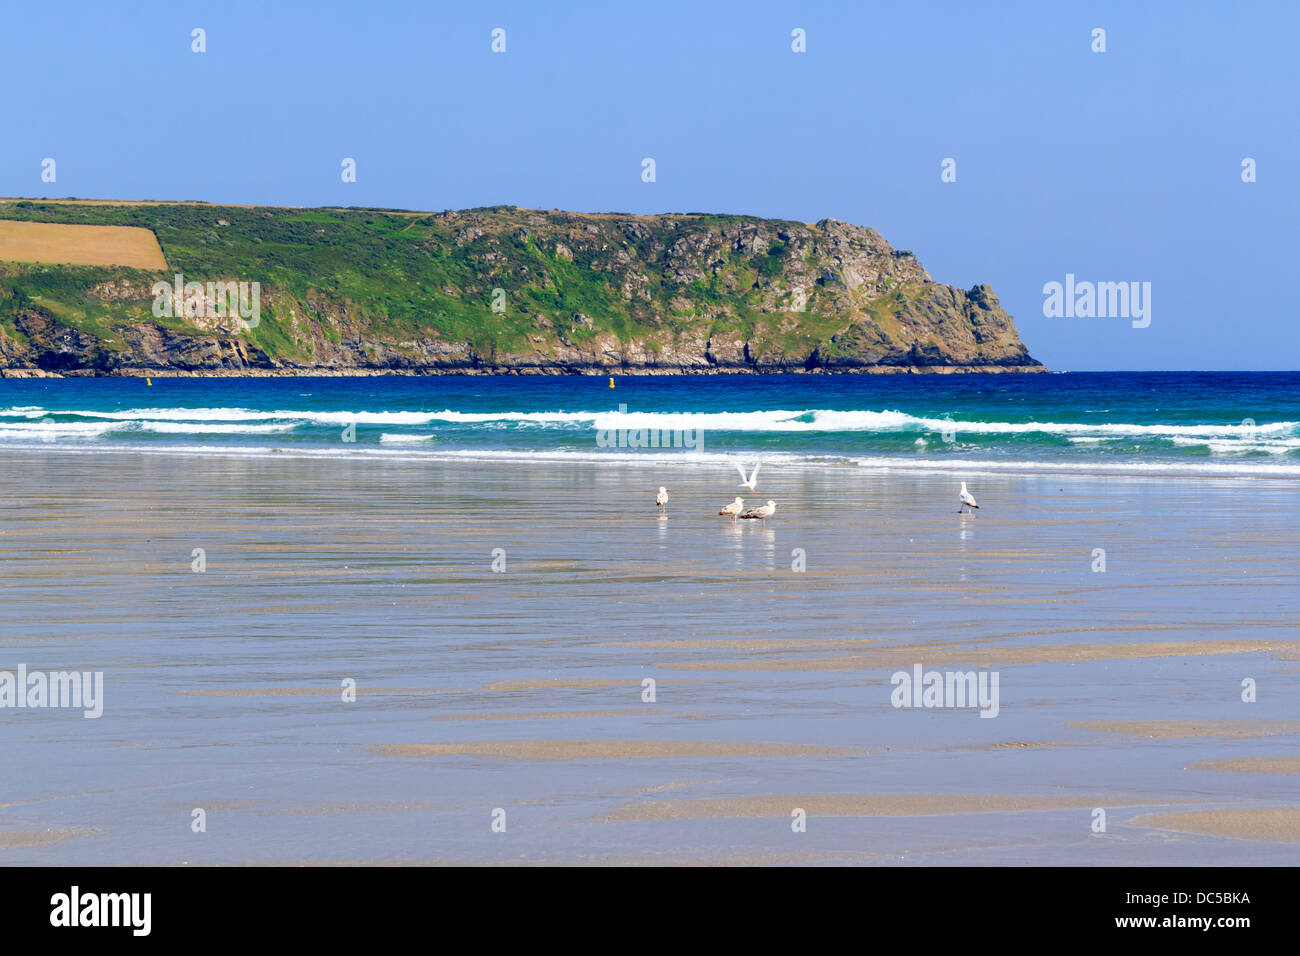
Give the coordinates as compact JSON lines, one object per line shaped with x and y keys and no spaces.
{"x":1229,"y":422}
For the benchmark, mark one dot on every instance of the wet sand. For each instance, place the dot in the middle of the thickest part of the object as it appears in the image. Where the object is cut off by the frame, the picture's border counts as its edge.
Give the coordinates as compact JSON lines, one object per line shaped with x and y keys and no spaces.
{"x":1001,"y":656}
{"x":540,"y":750}
{"x":1179,"y":729}
{"x":862,"y":805}
{"x":1271,"y":824}
{"x":18,"y":839}
{"x":525,"y":691}
{"x":1285,"y":765}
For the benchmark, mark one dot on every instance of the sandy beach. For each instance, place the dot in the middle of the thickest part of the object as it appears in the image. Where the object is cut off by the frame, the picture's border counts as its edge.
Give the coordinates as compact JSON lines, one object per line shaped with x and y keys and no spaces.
{"x":520,"y":694}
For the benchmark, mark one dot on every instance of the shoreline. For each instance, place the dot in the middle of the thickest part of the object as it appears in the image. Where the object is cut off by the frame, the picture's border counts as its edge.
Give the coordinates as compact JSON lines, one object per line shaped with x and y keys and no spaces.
{"x":507,"y":371}
{"x":815,"y":465}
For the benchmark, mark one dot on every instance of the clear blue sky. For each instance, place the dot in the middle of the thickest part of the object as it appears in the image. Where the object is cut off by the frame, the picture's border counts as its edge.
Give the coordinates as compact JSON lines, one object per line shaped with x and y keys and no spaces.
{"x":1119,"y":166}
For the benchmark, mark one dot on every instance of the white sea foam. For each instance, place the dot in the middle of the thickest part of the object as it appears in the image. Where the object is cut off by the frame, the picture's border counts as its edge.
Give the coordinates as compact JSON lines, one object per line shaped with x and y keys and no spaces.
{"x":826,"y":420}
{"x":317,"y":417}
{"x":808,"y":420}
{"x":54,"y":430}
{"x":211,"y":428}
{"x":775,"y":420}
{"x":966,"y":466}
{"x":1239,"y":446}
{"x":161,"y":414}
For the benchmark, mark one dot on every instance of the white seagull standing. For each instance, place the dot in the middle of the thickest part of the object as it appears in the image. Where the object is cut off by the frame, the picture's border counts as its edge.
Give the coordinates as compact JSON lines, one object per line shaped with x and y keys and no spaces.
{"x":967,"y":499}
{"x":661,"y":499}
{"x":733,"y":509}
{"x":752,"y":481}
{"x":762,"y":513}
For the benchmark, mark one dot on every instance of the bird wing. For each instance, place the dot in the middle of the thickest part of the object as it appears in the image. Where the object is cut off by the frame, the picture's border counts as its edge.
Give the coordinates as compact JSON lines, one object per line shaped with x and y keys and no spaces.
{"x":754,"y":477}
{"x":741,"y":468}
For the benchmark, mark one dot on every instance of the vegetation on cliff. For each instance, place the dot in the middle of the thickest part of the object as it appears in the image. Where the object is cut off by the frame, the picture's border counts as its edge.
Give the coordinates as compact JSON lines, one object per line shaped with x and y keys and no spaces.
{"x":498,"y":289}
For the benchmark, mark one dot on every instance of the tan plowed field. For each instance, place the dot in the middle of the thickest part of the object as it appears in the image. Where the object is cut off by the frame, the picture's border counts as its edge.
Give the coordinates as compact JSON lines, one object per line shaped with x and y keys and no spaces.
{"x":62,"y":244}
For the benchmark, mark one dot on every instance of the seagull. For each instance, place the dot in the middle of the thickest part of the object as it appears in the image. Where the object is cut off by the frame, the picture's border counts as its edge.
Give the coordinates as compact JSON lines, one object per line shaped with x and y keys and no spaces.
{"x":752,"y":481}
{"x":733,"y":509}
{"x":661,"y":499}
{"x":763,"y":513}
{"x":966,"y":499}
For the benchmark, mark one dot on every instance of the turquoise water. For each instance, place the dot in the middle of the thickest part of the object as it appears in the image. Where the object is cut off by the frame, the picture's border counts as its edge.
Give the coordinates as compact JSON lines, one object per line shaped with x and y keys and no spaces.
{"x":1215,"y":422}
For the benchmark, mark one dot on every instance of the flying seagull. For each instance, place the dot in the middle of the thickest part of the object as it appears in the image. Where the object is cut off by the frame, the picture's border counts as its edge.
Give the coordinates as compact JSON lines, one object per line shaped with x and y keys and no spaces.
{"x":967,"y":500}
{"x":752,"y":481}
{"x":762,"y":513}
{"x":661,"y":499}
{"x":733,"y":509}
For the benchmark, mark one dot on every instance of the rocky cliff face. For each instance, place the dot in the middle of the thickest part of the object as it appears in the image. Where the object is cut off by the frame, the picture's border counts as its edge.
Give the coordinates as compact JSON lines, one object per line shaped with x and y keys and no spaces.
{"x":504,"y":290}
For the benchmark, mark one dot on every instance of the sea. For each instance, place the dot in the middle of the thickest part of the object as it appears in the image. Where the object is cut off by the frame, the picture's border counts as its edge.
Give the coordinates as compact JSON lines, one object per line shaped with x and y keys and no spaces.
{"x":1212,"y":423}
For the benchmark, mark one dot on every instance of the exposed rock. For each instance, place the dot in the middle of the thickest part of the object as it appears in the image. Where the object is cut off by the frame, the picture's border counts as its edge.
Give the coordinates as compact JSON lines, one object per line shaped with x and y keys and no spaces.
{"x":663,"y":294}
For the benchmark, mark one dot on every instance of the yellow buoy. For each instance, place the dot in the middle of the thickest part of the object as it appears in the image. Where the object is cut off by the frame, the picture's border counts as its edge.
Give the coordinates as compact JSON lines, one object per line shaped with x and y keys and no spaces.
{"x":148,"y":381}
{"x":611,"y":383}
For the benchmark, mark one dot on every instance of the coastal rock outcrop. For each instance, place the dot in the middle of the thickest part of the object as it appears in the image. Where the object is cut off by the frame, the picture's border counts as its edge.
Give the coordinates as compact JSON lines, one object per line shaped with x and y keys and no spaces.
{"x":499,"y":291}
